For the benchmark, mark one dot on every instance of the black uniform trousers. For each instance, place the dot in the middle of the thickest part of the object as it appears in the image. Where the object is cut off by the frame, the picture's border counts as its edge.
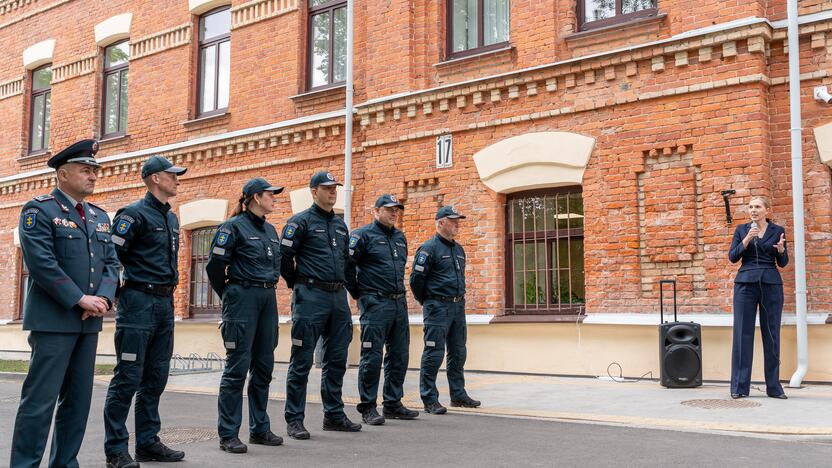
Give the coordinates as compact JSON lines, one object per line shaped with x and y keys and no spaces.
{"x":747,"y":298}
{"x":444,"y":327}
{"x":318,"y":313}
{"x":249,"y":334}
{"x":60,"y":369}
{"x":144,"y":345}
{"x":384,"y":323}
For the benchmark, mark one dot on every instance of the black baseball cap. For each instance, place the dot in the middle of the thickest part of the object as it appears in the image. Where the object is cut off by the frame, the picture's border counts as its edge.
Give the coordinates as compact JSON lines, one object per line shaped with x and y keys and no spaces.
{"x":81,"y":152}
{"x":258,"y":185}
{"x":448,"y":212}
{"x":388,"y":201}
{"x":159,"y":164}
{"x":323,"y":178}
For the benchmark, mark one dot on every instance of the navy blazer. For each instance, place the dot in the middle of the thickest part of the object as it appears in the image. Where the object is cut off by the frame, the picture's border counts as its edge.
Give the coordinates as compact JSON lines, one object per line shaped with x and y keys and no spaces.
{"x":760,"y":259}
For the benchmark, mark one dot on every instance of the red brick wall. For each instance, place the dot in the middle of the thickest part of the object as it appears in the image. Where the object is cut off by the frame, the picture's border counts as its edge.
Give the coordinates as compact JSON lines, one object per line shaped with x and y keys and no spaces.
{"x":651,"y":189}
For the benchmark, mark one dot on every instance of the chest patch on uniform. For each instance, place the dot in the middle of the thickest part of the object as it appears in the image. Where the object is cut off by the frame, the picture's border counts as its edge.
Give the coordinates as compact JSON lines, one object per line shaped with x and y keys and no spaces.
{"x":29,"y":220}
{"x":353,"y":242}
{"x":222,"y":239}
{"x":102,"y":227}
{"x":123,"y":226}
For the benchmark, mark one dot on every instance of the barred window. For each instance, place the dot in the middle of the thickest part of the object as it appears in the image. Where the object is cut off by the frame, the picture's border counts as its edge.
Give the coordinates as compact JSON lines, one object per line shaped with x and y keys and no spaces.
{"x":204,"y":301}
{"x":545,"y":253}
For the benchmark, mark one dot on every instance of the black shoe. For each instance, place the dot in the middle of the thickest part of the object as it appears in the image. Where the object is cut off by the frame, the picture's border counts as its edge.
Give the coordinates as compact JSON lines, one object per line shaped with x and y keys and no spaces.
{"x":781,"y":396}
{"x":435,"y":408}
{"x":400,"y":412}
{"x":121,"y":460}
{"x":341,"y":425}
{"x":737,"y":396}
{"x":466,"y":402}
{"x":371,"y":417}
{"x":265,"y":438}
{"x":296,"y":430}
{"x":158,"y":452}
{"x":233,"y":445}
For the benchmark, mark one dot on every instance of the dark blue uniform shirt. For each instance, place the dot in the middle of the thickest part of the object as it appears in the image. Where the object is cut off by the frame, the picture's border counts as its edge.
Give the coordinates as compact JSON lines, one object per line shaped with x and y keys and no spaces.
{"x":249,"y":247}
{"x":379,"y":254}
{"x":314,"y":245}
{"x":146,"y":236}
{"x":67,"y":258}
{"x":760,"y":259}
{"x":438,"y":269}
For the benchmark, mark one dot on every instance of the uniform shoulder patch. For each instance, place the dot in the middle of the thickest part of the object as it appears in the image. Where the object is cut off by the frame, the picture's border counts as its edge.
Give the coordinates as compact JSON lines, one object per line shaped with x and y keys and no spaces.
{"x":29,"y":218}
{"x":422,"y":258}
{"x":353,"y":241}
{"x":43,"y":198}
{"x":123,"y":224}
{"x":289,"y":231}
{"x":222,"y":238}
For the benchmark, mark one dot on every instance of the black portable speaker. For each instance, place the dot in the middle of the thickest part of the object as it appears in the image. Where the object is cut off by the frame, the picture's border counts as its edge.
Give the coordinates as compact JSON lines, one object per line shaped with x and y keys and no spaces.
{"x":680,"y":347}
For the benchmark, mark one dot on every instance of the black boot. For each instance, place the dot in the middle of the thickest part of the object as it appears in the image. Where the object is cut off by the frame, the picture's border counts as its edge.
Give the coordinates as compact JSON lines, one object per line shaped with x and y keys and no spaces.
{"x":341,"y":425}
{"x":158,"y":452}
{"x":265,"y":438}
{"x":435,"y":408}
{"x":371,"y":417}
{"x":233,"y":445}
{"x":466,"y":402}
{"x":400,"y":412}
{"x":121,"y":460}
{"x":296,"y":430}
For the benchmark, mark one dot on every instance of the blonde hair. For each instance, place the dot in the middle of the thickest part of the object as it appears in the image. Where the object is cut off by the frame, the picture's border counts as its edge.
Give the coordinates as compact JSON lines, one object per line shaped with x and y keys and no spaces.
{"x":762,"y":199}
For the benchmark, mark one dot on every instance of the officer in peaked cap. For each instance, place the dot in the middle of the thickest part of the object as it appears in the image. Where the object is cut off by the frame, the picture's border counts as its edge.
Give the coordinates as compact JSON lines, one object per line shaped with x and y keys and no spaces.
{"x":379,"y":252}
{"x":313,"y":261}
{"x":146,"y":238}
{"x":438,"y":283}
{"x":243,"y":268}
{"x":72,"y":283}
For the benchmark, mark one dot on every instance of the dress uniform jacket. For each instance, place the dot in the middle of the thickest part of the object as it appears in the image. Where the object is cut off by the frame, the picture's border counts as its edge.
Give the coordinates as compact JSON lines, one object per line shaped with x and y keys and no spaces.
{"x":67,"y":258}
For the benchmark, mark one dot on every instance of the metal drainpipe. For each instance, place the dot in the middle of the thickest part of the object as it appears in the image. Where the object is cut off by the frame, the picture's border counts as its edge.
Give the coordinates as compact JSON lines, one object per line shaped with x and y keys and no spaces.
{"x":797,"y":196}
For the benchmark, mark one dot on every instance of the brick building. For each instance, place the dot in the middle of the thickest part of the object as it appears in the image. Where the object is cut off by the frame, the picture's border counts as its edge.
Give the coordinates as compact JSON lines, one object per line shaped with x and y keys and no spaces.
{"x":590,"y":141}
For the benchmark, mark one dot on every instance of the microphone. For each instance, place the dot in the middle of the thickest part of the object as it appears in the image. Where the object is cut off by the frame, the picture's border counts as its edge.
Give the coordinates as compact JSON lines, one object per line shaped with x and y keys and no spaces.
{"x":755,"y":225}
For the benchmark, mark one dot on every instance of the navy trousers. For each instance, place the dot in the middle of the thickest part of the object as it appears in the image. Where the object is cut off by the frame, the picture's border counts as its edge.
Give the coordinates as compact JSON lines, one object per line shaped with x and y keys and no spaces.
{"x":384,"y":323}
{"x":444,"y":328}
{"x":144,"y":345}
{"x":317,"y":313}
{"x":748,"y":298}
{"x":249,"y":334}
{"x":61,"y":369}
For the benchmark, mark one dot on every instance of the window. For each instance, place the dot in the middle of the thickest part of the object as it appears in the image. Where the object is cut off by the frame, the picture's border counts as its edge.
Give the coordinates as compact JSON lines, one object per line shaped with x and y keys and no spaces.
{"x":476,"y":26}
{"x":545,"y":253}
{"x":40,"y":107}
{"x":214,"y":61}
{"x":204,"y":301}
{"x":327,"y":43}
{"x":114,"y":119}
{"x":600,"y":13}
{"x":23,"y":285}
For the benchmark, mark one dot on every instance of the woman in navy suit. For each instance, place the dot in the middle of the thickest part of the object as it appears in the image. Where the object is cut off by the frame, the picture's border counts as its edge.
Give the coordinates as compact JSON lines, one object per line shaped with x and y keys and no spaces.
{"x":761,"y":245}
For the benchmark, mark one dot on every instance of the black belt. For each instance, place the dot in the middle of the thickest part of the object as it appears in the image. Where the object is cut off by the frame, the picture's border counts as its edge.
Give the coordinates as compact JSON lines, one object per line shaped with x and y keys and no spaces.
{"x":384,"y":295}
{"x":253,"y":284}
{"x":446,"y":298}
{"x":326,"y":286}
{"x":150,"y":288}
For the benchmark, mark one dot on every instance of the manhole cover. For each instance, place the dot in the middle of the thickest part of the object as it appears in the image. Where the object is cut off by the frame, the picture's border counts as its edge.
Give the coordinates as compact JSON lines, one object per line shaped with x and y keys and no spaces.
{"x":721,"y":404}
{"x":184,"y":435}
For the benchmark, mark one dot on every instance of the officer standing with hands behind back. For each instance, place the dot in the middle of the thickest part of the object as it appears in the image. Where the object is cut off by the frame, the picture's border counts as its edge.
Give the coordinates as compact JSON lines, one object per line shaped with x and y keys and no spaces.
{"x":146,"y":236}
{"x":379,"y":252}
{"x":243,"y":268}
{"x":313,"y":261}
{"x":438,"y":283}
{"x":73,"y":273}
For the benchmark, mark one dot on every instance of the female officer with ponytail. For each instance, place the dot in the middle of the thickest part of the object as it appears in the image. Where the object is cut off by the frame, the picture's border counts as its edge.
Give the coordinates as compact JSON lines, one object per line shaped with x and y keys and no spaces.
{"x":761,"y":245}
{"x":243,"y":267}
